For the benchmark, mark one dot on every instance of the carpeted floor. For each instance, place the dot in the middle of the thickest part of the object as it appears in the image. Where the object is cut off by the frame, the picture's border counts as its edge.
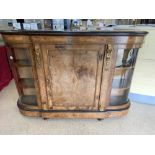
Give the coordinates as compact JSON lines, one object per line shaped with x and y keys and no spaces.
{"x":140,"y":120}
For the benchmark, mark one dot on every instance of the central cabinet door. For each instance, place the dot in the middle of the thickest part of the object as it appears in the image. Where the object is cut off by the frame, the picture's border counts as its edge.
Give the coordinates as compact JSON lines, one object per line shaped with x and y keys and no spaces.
{"x":73,"y":76}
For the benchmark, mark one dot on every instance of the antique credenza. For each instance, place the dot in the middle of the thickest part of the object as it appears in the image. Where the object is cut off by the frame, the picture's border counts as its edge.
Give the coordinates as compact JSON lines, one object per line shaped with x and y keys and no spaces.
{"x":73,"y":74}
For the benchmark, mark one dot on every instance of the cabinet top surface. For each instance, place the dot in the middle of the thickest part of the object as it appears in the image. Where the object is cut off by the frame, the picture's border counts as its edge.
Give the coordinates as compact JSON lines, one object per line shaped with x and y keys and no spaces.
{"x":74,"y":33}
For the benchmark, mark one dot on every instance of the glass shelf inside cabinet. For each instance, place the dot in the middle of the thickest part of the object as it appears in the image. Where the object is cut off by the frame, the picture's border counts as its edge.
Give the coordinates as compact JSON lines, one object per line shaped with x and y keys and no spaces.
{"x":27,"y":82}
{"x":124,"y":68}
{"x":23,"y":63}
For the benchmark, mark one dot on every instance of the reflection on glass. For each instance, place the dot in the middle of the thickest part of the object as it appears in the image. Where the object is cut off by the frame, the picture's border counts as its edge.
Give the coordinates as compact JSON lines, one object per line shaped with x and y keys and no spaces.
{"x":126,"y":57}
{"x":120,"y":98}
{"x":122,"y":79}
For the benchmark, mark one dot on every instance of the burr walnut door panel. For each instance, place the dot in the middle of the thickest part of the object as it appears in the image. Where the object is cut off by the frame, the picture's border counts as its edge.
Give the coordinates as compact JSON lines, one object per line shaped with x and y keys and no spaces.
{"x":72,"y":76}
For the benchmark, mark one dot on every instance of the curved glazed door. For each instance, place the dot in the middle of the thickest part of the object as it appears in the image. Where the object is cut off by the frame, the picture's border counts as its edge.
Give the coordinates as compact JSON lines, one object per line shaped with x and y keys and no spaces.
{"x":72,"y":76}
{"x":124,"y":68}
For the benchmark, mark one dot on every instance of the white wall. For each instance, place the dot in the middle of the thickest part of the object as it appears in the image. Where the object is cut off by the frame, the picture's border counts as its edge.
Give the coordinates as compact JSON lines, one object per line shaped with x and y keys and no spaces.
{"x":144,"y":76}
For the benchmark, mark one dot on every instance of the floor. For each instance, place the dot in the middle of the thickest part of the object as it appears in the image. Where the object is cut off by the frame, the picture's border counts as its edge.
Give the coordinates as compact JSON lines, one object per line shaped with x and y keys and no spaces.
{"x":140,"y":120}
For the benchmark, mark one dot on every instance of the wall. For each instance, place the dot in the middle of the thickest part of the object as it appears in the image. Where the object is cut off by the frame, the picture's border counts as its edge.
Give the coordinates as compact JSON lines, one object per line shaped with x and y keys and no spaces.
{"x":143,"y":82}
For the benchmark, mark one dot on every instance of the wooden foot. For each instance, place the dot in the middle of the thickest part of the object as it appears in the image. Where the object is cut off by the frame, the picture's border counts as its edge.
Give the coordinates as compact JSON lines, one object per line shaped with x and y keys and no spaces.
{"x":100,"y":119}
{"x":45,"y":118}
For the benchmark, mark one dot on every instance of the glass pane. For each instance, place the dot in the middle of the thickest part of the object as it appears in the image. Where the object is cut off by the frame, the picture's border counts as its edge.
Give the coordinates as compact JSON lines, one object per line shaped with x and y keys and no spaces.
{"x":126,"y":57}
{"x":22,"y":54}
{"x":125,"y":63}
{"x":120,"y":98}
{"x":29,"y":99}
{"x":122,"y":80}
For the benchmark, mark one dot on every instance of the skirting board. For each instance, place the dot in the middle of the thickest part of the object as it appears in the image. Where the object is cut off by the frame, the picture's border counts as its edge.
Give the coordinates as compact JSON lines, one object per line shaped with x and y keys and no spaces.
{"x":142,"y":98}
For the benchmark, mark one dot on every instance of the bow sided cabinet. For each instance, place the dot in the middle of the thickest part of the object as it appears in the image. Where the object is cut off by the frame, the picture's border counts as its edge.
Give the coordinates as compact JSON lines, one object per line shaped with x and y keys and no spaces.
{"x":73,"y":74}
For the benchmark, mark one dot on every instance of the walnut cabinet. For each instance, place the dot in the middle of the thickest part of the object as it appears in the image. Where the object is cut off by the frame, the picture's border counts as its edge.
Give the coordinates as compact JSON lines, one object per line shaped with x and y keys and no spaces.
{"x":73,"y":74}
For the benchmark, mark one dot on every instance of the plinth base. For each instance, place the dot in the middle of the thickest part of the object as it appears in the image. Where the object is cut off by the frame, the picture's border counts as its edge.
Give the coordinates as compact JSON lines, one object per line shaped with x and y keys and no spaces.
{"x":111,"y":111}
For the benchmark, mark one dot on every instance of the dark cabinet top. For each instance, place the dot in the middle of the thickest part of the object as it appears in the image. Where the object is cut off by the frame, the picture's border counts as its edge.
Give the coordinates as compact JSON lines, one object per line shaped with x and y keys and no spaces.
{"x":75,"y":33}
